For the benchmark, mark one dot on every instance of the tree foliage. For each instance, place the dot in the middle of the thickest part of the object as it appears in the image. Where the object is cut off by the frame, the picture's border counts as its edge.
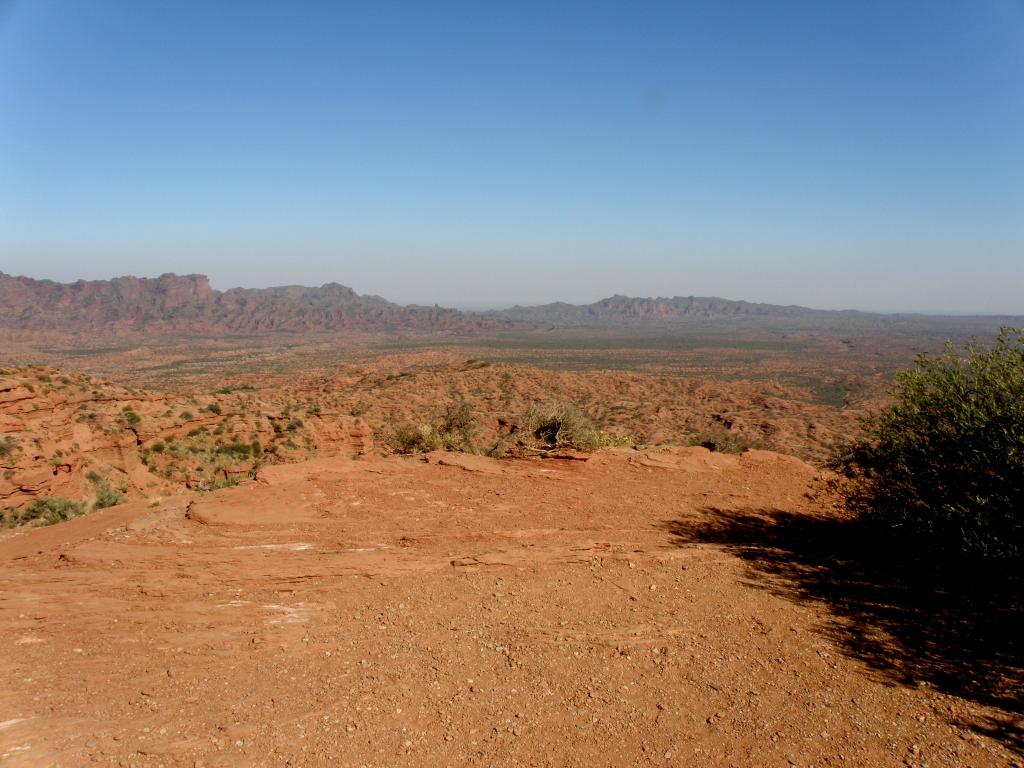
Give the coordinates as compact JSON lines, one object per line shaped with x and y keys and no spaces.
{"x":944,"y":463}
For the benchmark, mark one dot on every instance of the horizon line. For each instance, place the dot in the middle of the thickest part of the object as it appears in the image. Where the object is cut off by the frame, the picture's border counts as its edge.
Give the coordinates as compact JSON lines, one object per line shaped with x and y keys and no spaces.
{"x":483,"y":309}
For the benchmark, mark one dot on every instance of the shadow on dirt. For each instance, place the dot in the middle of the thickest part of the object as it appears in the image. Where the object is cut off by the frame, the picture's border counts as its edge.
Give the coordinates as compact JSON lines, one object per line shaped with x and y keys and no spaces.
{"x":958,"y":628}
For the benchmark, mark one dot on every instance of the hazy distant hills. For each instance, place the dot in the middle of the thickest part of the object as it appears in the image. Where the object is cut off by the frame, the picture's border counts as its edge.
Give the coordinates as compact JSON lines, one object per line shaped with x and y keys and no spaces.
{"x":618,"y":309}
{"x":187,"y":304}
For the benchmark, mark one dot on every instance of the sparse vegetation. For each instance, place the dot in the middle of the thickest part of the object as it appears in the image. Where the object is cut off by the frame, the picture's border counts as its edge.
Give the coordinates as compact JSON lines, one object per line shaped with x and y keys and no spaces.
{"x":500,"y":448}
{"x":105,"y":495}
{"x":130,"y":416}
{"x":458,"y":426}
{"x":217,"y":483}
{"x":45,"y":510}
{"x":543,"y":427}
{"x":410,"y":439}
{"x":236,"y":388}
{"x":8,"y":446}
{"x":943,"y":465}
{"x":724,"y":440}
{"x":455,"y":432}
{"x":234,"y":450}
{"x":553,"y":426}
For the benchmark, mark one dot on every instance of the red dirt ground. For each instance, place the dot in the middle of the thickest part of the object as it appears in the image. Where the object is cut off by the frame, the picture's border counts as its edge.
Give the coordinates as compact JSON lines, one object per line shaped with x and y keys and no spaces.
{"x":450,"y":611}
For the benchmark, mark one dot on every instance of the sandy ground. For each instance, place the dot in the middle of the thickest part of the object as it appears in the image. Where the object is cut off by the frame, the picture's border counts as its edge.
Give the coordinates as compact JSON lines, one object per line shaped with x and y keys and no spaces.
{"x":454,"y":611}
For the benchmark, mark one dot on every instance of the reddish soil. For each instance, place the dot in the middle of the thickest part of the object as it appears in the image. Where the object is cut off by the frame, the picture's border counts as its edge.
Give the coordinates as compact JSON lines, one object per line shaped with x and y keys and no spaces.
{"x":458,"y":610}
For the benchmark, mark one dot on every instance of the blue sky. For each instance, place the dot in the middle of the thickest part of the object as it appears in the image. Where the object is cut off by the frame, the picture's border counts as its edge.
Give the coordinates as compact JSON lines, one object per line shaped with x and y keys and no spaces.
{"x":862,"y":154}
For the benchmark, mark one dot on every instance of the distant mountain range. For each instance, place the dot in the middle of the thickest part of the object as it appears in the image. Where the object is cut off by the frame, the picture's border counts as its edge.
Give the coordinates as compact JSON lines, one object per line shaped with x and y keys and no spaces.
{"x":617,"y":310}
{"x":187,"y":304}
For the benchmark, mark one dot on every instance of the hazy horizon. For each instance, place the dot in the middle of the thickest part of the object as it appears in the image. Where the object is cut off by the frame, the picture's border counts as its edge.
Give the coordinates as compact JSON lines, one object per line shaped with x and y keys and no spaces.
{"x":485,"y":307}
{"x":866,"y":156}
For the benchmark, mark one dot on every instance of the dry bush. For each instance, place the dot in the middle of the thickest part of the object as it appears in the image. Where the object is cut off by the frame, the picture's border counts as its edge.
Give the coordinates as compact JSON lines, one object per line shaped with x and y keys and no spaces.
{"x":456,"y":432}
{"x":553,"y":426}
{"x":725,"y":441}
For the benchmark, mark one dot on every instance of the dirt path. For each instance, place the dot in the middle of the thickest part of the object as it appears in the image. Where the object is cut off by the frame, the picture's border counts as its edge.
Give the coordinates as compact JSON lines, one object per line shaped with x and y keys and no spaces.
{"x":450,"y":612}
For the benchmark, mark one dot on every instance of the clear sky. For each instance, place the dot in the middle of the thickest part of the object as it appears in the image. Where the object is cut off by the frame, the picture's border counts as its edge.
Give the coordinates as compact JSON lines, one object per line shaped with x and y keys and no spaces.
{"x":864,"y":154}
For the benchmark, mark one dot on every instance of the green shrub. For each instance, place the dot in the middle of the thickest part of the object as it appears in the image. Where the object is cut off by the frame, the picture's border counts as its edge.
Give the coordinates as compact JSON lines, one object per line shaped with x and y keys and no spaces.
{"x":235,"y":450}
{"x":455,"y":432}
{"x":944,"y":464}
{"x":409,"y":439}
{"x":49,"y":510}
{"x":213,"y":408}
{"x":105,"y":495}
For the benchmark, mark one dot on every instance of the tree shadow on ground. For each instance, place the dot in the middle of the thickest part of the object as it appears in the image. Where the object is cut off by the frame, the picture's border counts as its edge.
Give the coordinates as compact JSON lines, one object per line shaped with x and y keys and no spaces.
{"x":911,"y":618}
